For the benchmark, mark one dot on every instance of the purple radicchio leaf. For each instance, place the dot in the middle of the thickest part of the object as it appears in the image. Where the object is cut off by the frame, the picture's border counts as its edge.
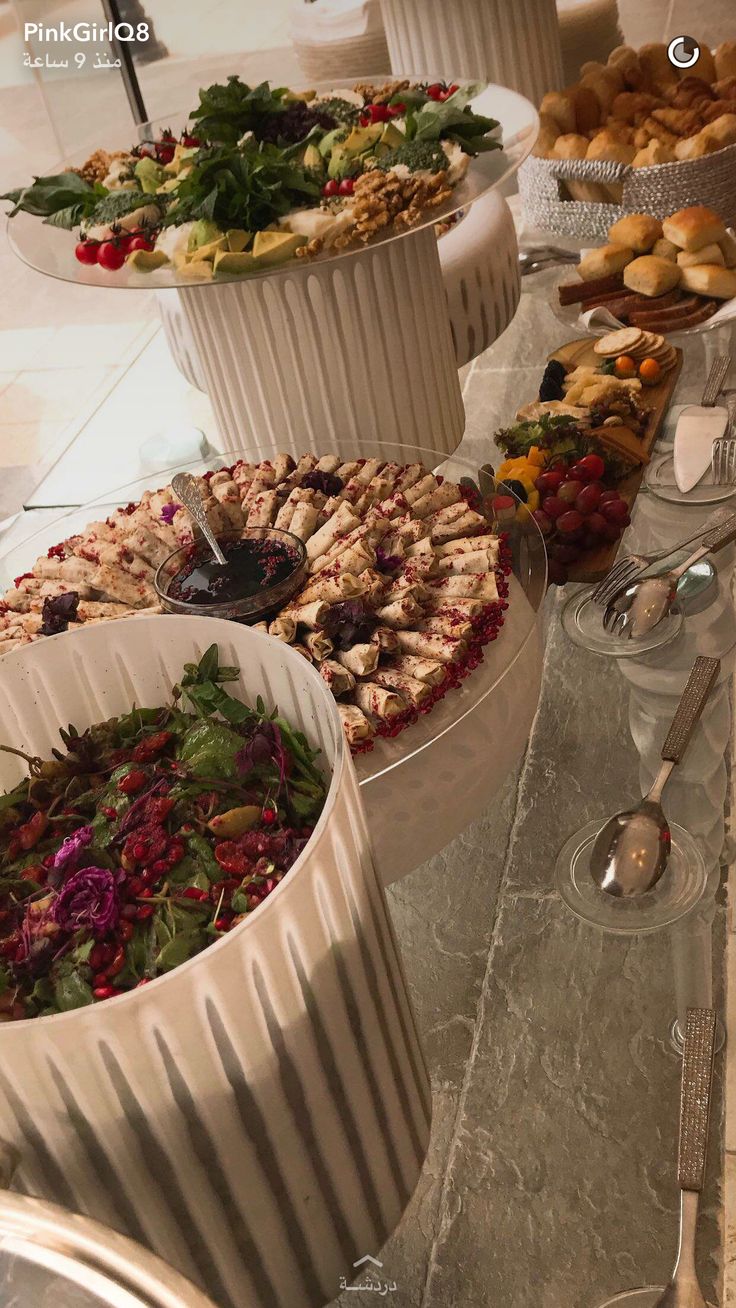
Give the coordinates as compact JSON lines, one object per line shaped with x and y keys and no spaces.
{"x":89,"y":900}
{"x":69,"y":854}
{"x":387,"y":562}
{"x":169,"y":512}
{"x":264,"y":746}
{"x":326,"y":482}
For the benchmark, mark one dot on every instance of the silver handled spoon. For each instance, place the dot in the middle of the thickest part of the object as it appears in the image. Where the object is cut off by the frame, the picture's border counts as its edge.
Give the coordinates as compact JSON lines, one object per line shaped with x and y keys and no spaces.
{"x":186,"y":488}
{"x":683,"y":1290}
{"x":631,"y":851}
{"x":644,"y":605}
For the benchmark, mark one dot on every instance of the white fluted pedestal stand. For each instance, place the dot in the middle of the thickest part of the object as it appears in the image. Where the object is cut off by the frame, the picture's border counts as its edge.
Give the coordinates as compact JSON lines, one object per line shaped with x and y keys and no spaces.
{"x":330,"y":355}
{"x":514,"y":42}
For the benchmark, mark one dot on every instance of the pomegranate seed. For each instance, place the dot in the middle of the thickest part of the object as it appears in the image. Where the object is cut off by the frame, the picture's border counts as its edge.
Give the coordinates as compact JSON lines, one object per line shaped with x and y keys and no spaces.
{"x":140,"y":851}
{"x":145,"y":893}
{"x":144,"y":912}
{"x":159,"y":868}
{"x":100,"y":979}
{"x":106,"y":992}
{"x":118,"y":961}
{"x":193,"y":892}
{"x":108,"y":813}
{"x":97,"y":957}
{"x":132,"y":782}
{"x":129,"y":912}
{"x":175,"y":852}
{"x":126,"y":930}
{"x":222,"y":924}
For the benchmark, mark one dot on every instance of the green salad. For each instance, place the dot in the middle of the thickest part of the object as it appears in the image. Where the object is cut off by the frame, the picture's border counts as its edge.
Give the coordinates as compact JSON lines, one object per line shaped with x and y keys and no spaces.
{"x":146,"y":839}
{"x":262,"y":174}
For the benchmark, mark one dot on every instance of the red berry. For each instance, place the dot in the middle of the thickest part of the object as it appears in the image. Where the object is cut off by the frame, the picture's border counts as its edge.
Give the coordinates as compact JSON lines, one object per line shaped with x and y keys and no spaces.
{"x":105,"y":992}
{"x":330,"y":188}
{"x":86,"y":252}
{"x":346,"y":187}
{"x":111,"y":256}
{"x":144,"y":912}
{"x":223,"y":924}
{"x":159,"y":868}
{"x":132,"y":782}
{"x":569,"y":522}
{"x":553,"y":506}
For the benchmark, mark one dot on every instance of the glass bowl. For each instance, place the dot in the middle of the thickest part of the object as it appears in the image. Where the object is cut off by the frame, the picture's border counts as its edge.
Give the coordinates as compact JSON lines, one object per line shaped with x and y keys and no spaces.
{"x":250,"y":608}
{"x":424,"y":786}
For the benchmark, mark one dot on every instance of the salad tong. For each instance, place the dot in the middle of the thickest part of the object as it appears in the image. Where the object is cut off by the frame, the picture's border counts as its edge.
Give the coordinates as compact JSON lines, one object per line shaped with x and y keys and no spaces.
{"x":683,"y":1290}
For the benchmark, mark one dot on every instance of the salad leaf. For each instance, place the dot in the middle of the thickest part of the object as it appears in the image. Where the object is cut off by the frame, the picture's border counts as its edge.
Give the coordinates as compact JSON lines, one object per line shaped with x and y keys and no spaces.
{"x":63,"y":199}
{"x":71,"y":991}
{"x":227,"y":110}
{"x":209,"y":749}
{"x":248,"y":187}
{"x":446,"y":119}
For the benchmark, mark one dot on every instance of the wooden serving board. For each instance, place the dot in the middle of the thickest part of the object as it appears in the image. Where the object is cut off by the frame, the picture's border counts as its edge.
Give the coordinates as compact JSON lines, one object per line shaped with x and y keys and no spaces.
{"x":594,"y":566}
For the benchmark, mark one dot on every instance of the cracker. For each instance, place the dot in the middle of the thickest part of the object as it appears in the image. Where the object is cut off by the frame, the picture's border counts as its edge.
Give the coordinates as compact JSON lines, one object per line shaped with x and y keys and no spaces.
{"x":623,"y":341}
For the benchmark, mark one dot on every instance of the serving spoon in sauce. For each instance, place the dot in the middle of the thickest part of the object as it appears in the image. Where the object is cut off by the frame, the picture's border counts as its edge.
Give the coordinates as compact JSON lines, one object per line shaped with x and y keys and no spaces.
{"x":632,"y":850}
{"x":184,"y":485}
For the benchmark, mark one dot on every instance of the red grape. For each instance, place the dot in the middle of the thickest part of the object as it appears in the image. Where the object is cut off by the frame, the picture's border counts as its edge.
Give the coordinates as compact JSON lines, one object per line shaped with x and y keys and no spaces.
{"x":553,"y":506}
{"x":616,"y":511}
{"x":591,"y":467}
{"x":569,"y":522}
{"x":556,"y":573}
{"x":589,"y":498}
{"x":569,"y":490}
{"x":544,"y":523}
{"x":612,"y":532}
{"x":548,"y":483}
{"x":596,"y":524}
{"x":609,"y":496}
{"x":564,"y":553}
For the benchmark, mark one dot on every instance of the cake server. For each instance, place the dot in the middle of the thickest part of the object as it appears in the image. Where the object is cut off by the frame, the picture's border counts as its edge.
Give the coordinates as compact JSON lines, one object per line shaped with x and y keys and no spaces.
{"x":698,"y":426}
{"x":683,"y":1290}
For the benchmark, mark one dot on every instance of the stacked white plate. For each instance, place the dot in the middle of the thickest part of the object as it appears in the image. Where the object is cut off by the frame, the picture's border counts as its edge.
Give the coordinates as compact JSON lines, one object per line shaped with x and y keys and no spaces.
{"x":339,"y":39}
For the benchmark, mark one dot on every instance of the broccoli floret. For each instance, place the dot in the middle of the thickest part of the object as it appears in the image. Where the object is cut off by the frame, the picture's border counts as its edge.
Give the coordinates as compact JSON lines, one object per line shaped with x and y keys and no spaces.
{"x":119,"y":203}
{"x":419,"y":156}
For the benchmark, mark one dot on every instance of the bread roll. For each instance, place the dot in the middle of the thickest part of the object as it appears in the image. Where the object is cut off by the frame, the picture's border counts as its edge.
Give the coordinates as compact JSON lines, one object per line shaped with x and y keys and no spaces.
{"x":588,"y":192}
{"x":560,"y":106}
{"x":694,"y":227}
{"x":604,"y":261}
{"x":655,"y":152}
{"x":711,"y":280}
{"x":727,"y":246}
{"x":695,"y":147}
{"x":570,"y":146}
{"x":588,"y":111}
{"x":606,"y":148}
{"x":655,"y":65}
{"x":665,"y":249}
{"x":549,"y":130}
{"x":721,"y":130}
{"x":725,"y":59}
{"x":604,"y":90}
{"x":649,"y":275}
{"x":705,"y":64}
{"x":637,"y":231}
{"x":708,"y":254}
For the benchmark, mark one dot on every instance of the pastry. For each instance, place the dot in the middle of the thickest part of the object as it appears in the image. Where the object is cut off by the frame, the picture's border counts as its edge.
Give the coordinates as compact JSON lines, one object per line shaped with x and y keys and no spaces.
{"x":694,"y":227}
{"x":655,"y":152}
{"x":711,"y":280}
{"x":727,"y":245}
{"x":650,"y":275}
{"x":637,"y":232}
{"x":604,"y":261}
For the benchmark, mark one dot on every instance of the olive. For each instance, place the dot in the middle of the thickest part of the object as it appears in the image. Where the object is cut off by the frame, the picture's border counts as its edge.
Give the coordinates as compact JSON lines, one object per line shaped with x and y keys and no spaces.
{"x":516,"y":488}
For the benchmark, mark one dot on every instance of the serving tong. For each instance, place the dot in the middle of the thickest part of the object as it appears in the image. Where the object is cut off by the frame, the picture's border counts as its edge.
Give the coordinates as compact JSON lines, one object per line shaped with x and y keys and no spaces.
{"x":537,"y":257}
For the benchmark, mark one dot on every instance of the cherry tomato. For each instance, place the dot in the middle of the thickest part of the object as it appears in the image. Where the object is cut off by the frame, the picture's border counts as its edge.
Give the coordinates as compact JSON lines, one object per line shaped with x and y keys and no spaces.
{"x":330,"y":188}
{"x":86,"y":252}
{"x":395,"y":110}
{"x":190,"y":141}
{"x":111,"y":256}
{"x":435,"y":90}
{"x":591,"y":467}
{"x":378,"y":113}
{"x":139,"y":243}
{"x":346,"y":187}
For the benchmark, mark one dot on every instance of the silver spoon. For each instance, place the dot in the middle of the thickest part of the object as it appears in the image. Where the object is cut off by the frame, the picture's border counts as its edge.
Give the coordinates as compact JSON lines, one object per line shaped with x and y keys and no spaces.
{"x":632,"y":849}
{"x":683,"y":1290}
{"x":645,"y":604}
{"x":186,"y":488}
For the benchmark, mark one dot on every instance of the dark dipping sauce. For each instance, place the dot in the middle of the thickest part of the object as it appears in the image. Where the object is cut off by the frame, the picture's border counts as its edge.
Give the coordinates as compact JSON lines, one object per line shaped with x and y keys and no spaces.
{"x":252,"y":566}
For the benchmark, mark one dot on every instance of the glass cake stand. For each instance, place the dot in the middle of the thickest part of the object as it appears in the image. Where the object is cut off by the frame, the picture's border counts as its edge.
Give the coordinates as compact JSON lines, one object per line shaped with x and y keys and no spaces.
{"x":339,"y":347}
{"x":425,"y":785}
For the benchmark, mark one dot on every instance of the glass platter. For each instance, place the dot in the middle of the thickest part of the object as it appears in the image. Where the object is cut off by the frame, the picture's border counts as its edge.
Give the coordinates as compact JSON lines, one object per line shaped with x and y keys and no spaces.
{"x":50,"y":250}
{"x":451,"y":760}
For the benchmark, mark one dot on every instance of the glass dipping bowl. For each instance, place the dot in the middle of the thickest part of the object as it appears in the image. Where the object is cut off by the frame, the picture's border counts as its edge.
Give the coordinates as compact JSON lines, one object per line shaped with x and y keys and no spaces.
{"x":251,"y":608}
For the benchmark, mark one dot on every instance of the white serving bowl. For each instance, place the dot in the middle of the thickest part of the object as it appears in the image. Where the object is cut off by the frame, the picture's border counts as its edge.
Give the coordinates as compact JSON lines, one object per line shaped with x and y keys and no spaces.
{"x":259,"y":1116}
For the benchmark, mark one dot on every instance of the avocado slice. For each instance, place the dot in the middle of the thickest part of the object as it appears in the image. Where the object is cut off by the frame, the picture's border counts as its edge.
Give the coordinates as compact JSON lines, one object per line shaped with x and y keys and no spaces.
{"x":203,"y":232}
{"x":235,"y":261}
{"x":146,"y":260}
{"x":363,"y":138}
{"x":313,"y":159}
{"x":199,"y":271}
{"x":333,"y":138}
{"x":392,"y":136}
{"x":209,"y":250}
{"x":237,"y":239}
{"x":150,"y":175}
{"x":271,"y":248}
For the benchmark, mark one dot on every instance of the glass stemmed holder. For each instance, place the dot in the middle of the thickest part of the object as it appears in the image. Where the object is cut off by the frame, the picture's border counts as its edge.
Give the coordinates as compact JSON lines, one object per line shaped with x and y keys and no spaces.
{"x":338,"y":347}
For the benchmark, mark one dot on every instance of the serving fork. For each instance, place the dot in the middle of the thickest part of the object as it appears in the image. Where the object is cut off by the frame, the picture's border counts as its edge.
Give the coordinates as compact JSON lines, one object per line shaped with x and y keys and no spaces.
{"x":723,"y":459}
